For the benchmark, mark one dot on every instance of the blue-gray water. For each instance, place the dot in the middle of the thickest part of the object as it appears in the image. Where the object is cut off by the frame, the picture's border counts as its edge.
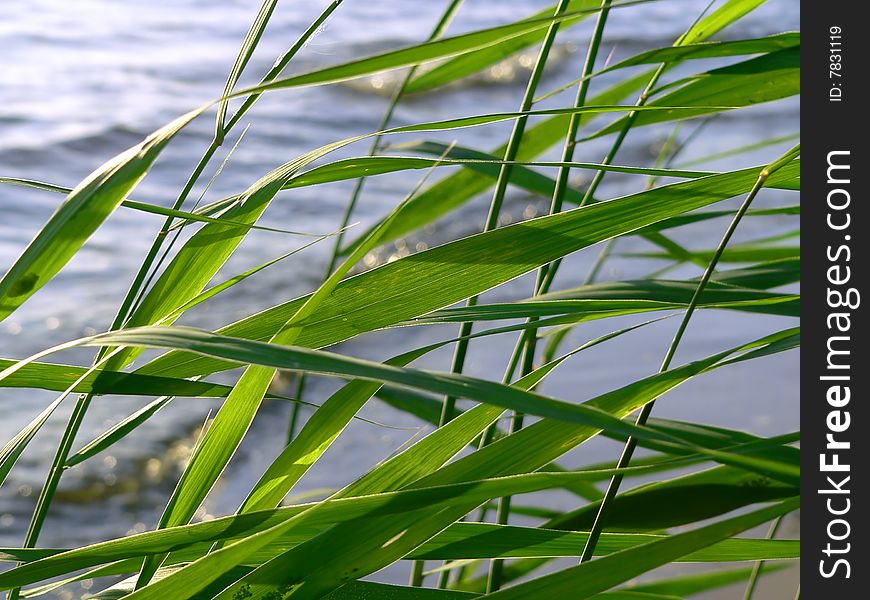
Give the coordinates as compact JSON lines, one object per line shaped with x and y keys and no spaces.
{"x":84,"y":80}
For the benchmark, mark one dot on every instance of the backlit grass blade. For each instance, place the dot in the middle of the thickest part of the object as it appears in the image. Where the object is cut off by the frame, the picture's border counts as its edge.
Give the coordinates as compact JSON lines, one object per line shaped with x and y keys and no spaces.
{"x":614,"y":300}
{"x":58,"y":377}
{"x":692,"y":496}
{"x":421,"y":53}
{"x":367,"y":548}
{"x":83,"y":211}
{"x":12,"y":450}
{"x":474,"y":62}
{"x":423,"y":282}
{"x":194,"y":217}
{"x":767,"y":78}
{"x":270,"y":356}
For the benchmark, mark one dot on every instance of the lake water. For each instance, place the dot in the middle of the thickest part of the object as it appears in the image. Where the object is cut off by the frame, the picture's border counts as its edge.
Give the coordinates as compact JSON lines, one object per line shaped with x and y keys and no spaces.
{"x":84,"y":80}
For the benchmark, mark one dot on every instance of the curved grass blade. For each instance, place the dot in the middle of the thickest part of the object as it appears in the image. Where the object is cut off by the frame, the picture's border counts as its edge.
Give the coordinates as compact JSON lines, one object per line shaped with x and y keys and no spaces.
{"x":421,"y":53}
{"x":542,"y":442}
{"x":270,"y":356}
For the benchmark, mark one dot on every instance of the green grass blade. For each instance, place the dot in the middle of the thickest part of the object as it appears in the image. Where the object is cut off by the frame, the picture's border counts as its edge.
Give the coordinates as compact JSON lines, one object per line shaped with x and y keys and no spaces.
{"x":763,"y":45}
{"x":81,"y":213}
{"x":473,"y":265}
{"x":420,"y":53}
{"x":474,"y":62}
{"x":587,"y":579}
{"x":484,"y":540}
{"x":688,"y":585}
{"x":57,"y":377}
{"x":767,"y":78}
{"x":250,"y":42}
{"x":368,"y":550}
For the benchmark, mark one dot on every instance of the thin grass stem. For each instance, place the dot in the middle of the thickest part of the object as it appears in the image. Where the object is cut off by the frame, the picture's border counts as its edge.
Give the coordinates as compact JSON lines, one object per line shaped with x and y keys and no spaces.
{"x":442,"y":25}
{"x":643,"y":416}
{"x":528,"y":340}
{"x":758,"y":567}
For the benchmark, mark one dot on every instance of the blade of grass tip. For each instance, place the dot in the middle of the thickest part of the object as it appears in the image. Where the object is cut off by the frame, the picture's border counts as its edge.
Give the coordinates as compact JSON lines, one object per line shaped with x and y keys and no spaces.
{"x":438,"y":31}
{"x":643,"y":416}
{"x":245,"y":52}
{"x":758,"y":567}
{"x":528,"y":340}
{"x":81,"y":407}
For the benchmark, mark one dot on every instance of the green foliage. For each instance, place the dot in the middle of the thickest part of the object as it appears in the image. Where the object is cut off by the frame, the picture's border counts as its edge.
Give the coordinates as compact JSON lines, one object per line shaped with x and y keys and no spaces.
{"x":704,"y":485}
